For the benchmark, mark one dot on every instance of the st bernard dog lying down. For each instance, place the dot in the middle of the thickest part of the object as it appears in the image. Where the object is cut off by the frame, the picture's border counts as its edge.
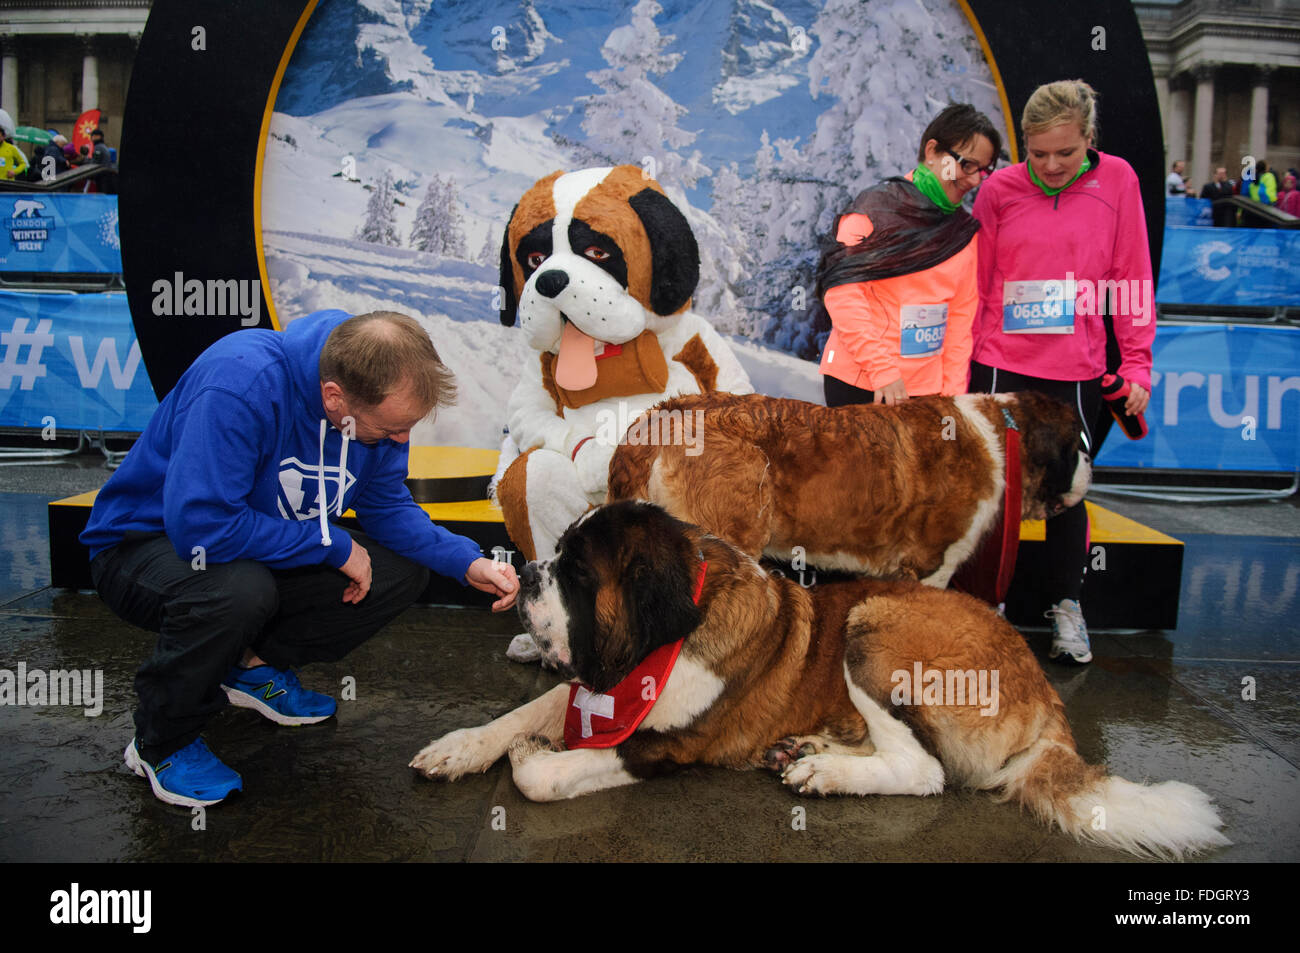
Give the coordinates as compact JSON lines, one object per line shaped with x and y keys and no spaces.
{"x":905,"y":490}
{"x":808,"y":681}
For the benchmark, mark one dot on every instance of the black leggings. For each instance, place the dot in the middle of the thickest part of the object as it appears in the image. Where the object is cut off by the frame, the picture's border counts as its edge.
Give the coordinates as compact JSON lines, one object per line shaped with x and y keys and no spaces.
{"x":839,"y":393}
{"x":1067,"y":533}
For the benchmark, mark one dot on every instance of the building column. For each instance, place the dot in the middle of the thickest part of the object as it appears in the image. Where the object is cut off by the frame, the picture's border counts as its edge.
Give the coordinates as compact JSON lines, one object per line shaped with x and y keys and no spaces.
{"x":1176,"y":128}
{"x":89,"y":75}
{"x":1199,"y":170}
{"x":1259,"y":112}
{"x":9,"y":80}
{"x":1162,"y":100}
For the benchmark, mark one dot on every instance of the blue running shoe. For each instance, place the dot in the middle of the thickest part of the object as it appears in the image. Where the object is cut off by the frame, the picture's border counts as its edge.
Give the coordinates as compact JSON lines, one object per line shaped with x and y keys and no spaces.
{"x":278,"y":695}
{"x":190,"y":777}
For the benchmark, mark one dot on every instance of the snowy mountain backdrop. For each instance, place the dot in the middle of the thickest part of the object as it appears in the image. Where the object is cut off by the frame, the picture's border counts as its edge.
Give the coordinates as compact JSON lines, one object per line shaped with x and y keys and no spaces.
{"x":405,"y":131}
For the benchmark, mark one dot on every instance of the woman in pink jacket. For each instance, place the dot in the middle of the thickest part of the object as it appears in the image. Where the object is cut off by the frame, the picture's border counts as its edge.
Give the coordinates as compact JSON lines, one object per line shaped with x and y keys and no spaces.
{"x":1061,"y":235}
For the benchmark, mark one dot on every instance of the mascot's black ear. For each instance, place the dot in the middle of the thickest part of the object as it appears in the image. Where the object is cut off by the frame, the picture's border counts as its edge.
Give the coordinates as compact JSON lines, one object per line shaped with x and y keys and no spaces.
{"x":674,"y":255}
{"x":509,"y":303}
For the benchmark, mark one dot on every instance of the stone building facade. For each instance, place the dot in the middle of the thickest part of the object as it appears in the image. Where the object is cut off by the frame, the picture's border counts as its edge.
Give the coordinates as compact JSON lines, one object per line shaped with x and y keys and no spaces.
{"x":59,"y":58}
{"x":1227,"y":76}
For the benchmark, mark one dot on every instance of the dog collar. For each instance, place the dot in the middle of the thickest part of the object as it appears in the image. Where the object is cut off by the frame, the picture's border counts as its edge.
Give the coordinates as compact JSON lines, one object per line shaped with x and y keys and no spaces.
{"x":699,"y":580}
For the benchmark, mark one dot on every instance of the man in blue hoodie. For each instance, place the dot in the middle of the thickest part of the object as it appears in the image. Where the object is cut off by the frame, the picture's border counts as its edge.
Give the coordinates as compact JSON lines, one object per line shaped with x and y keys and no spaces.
{"x":215,"y":531}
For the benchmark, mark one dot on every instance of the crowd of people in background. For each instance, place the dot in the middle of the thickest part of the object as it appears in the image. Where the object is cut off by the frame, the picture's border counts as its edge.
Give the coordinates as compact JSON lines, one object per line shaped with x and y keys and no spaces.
{"x":57,"y":157}
{"x":1259,"y":184}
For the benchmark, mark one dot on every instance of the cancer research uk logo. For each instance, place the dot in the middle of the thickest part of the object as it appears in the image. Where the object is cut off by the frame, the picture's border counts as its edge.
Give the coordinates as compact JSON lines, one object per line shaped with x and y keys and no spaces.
{"x":1204,"y":252}
{"x":299,"y":497}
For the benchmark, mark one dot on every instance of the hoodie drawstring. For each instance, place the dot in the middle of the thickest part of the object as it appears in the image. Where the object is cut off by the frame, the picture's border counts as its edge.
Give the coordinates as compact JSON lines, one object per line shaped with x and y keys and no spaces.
{"x":322,"y":506}
{"x":322,"y":499}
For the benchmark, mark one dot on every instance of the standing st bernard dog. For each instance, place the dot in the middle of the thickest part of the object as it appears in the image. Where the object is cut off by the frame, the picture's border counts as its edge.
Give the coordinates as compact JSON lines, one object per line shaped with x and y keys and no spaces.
{"x":812,"y":682}
{"x":905,"y":490}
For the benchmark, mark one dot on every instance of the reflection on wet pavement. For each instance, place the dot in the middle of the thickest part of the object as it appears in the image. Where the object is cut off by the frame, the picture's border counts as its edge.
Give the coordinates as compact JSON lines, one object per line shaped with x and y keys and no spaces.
{"x":1214,"y":704}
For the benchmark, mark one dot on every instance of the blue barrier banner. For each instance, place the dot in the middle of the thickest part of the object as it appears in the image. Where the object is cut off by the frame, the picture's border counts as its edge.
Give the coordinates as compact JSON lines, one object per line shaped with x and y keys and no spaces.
{"x":71,"y":362}
{"x":1183,"y":210}
{"x":59,"y":232}
{"x":1223,"y":397}
{"x":1230,"y":266}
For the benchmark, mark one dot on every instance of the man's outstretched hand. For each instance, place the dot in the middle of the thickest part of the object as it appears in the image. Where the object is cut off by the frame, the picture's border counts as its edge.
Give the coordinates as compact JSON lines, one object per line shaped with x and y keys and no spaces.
{"x":357,"y":568}
{"x":497,"y":578}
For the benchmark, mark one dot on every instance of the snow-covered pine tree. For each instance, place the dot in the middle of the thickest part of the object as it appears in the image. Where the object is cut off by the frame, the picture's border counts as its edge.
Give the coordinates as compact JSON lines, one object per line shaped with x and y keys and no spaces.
{"x":632,"y":120}
{"x":889,"y":66}
{"x":437,"y":227}
{"x":490,"y":253}
{"x":379,"y":225}
{"x":453,"y":232}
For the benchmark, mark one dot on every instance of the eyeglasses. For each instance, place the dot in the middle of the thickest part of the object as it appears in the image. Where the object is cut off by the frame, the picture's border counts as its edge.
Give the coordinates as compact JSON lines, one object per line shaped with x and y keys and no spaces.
{"x":970,"y":166}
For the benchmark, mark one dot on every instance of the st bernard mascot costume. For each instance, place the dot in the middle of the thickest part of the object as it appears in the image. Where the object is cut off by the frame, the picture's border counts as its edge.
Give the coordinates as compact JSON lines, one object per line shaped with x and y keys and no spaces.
{"x":598,"y":268}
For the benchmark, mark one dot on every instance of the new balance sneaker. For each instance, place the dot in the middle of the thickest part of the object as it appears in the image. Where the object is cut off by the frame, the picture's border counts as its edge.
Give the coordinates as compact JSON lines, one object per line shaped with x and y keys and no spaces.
{"x":1069,"y":634}
{"x":278,"y":695}
{"x":190,"y":777}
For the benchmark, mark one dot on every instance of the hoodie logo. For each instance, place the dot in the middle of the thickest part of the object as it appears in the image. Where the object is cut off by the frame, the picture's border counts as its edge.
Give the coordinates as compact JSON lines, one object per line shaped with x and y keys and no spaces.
{"x":299,"y":497}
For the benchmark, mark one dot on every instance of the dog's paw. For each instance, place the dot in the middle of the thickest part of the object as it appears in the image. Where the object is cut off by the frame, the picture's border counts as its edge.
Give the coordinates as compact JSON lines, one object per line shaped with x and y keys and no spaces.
{"x":454,"y":755}
{"x":814,"y":774}
{"x":786,"y":751}
{"x":526,"y":746}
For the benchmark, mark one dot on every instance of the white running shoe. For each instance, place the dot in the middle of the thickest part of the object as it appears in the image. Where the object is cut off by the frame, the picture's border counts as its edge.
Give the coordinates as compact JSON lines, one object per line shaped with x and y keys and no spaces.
{"x":1069,"y":634}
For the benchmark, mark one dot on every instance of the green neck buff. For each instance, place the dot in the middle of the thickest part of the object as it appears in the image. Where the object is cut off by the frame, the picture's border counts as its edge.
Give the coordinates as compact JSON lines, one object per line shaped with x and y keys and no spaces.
{"x":1087,"y":164}
{"x":932,"y":188}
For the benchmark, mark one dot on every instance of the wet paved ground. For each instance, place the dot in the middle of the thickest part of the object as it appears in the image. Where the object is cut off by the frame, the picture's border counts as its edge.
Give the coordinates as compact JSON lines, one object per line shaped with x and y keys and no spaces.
{"x":1153,"y":705}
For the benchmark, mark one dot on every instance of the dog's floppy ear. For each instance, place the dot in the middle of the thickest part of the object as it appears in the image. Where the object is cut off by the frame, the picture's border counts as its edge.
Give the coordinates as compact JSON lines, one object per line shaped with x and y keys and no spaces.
{"x":674,"y":255}
{"x":509,"y":301}
{"x":661,"y":608}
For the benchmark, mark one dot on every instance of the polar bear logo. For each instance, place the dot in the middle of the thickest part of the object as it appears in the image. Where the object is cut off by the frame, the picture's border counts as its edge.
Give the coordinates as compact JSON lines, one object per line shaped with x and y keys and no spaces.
{"x":27,"y":208}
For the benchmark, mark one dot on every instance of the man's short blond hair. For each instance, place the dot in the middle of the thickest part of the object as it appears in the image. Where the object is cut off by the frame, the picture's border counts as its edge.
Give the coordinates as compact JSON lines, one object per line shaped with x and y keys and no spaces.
{"x":373,"y":355}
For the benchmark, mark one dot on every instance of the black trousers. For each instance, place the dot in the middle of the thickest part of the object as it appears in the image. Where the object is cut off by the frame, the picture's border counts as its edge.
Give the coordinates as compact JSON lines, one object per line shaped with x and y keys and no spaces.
{"x":1067,"y":532}
{"x":838,"y":393}
{"x":205,"y":618}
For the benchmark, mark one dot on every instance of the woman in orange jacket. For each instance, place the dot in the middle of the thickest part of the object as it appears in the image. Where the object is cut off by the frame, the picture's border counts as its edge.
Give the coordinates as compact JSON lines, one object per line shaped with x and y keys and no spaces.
{"x":899,"y":282}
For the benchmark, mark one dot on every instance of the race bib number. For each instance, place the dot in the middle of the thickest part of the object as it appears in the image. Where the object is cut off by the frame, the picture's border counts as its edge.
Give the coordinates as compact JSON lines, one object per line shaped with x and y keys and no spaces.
{"x":921,"y":328}
{"x":1038,"y":307}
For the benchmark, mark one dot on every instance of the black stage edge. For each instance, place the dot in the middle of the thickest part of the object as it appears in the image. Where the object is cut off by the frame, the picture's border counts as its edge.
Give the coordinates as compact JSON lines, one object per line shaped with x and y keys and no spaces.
{"x":178,"y":215}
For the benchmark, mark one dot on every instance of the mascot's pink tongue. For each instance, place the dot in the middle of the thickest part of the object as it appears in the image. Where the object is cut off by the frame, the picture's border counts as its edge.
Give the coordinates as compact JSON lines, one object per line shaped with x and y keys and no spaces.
{"x":576,"y":367}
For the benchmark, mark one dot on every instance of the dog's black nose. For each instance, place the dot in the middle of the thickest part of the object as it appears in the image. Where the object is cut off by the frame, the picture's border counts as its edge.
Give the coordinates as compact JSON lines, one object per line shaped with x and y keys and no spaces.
{"x":551,"y":283}
{"x":529,"y":576}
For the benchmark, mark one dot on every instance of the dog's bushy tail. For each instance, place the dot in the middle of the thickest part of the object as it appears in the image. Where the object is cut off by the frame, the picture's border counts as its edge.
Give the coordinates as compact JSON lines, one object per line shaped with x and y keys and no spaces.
{"x":1170,"y":820}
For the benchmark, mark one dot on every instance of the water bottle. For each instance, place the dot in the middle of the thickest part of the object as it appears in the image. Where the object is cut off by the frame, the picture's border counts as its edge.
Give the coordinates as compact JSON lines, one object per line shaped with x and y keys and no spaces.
{"x":1116,"y":390}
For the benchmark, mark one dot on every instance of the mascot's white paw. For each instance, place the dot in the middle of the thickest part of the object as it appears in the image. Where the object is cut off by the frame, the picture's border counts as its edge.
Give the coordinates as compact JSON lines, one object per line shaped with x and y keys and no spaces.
{"x":523,"y":649}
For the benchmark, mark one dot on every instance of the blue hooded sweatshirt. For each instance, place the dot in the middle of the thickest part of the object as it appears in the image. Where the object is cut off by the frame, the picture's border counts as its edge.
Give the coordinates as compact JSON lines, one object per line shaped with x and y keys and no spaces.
{"x":239,"y":454}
